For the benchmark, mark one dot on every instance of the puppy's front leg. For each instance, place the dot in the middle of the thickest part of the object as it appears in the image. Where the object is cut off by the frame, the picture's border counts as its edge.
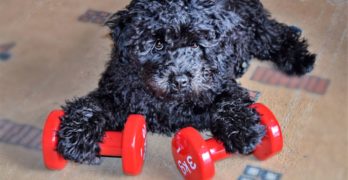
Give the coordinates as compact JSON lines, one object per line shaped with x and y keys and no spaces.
{"x":83,"y":126}
{"x":234,"y":123}
{"x":282,"y":45}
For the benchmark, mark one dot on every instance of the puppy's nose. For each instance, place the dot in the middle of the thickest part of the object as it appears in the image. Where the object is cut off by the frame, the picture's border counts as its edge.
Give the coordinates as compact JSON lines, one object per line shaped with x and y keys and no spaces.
{"x":181,"y":81}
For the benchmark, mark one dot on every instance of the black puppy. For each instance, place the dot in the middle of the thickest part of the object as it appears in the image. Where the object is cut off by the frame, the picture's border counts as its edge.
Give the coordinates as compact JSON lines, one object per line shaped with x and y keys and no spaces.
{"x":176,"y":61}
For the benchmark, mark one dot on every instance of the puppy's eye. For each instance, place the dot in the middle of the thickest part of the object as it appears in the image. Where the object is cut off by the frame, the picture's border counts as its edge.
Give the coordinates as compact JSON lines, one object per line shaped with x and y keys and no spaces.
{"x":159,"y":45}
{"x":194,"y":45}
{"x":206,"y":72}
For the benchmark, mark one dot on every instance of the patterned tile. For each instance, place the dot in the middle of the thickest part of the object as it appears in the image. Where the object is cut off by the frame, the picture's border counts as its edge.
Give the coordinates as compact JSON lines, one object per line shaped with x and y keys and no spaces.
{"x":5,"y":51}
{"x":94,"y":16}
{"x":254,"y":95}
{"x":312,"y":84}
{"x":19,"y":134}
{"x":257,"y":173}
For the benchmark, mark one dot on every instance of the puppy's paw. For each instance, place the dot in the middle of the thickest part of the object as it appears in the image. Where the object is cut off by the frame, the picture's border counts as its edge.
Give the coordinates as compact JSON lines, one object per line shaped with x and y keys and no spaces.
{"x":245,"y":141}
{"x":240,"y":129}
{"x":77,"y":146}
{"x":298,"y":62}
{"x":294,"y":57}
{"x":79,"y":136}
{"x":252,"y":139}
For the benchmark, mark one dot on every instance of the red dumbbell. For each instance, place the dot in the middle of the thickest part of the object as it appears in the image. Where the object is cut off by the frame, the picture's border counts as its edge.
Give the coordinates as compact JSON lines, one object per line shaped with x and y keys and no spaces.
{"x":130,"y":143}
{"x":195,"y":156}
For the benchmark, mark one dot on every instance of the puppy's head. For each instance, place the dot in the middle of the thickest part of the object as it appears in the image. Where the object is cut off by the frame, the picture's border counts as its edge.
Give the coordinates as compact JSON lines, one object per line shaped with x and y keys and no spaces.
{"x":185,"y":48}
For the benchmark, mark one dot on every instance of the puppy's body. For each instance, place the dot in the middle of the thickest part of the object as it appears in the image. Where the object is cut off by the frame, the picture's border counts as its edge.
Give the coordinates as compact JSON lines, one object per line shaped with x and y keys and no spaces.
{"x":176,"y":61}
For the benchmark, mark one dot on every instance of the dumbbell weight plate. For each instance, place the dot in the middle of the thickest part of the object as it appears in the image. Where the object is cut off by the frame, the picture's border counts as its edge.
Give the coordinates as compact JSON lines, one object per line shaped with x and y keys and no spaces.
{"x":191,"y":155}
{"x":134,"y":144}
{"x":272,"y":143}
{"x":52,"y":159}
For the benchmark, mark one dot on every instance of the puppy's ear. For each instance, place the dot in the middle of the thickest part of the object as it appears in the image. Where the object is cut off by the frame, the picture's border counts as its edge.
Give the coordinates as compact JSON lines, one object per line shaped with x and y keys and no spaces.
{"x":116,"y":23}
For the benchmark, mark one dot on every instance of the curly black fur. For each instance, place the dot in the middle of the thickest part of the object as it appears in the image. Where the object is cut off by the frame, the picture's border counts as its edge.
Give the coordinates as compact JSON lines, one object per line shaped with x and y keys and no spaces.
{"x":176,"y":61}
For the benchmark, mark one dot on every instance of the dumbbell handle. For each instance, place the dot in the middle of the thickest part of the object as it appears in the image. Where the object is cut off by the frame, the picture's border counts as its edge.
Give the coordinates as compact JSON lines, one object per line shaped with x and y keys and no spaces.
{"x":111,"y":144}
{"x":217,"y":149}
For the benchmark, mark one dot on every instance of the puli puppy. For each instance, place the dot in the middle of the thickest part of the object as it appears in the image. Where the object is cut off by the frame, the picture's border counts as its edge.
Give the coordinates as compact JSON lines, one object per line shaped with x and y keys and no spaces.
{"x":176,"y":62}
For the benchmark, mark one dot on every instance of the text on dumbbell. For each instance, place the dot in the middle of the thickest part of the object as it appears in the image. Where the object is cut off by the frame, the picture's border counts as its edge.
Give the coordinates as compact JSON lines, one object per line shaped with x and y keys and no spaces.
{"x":187,"y":166}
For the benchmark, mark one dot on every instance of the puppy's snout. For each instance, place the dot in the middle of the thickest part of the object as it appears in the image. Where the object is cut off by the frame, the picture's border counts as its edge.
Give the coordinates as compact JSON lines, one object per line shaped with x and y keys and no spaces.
{"x":181,"y":81}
